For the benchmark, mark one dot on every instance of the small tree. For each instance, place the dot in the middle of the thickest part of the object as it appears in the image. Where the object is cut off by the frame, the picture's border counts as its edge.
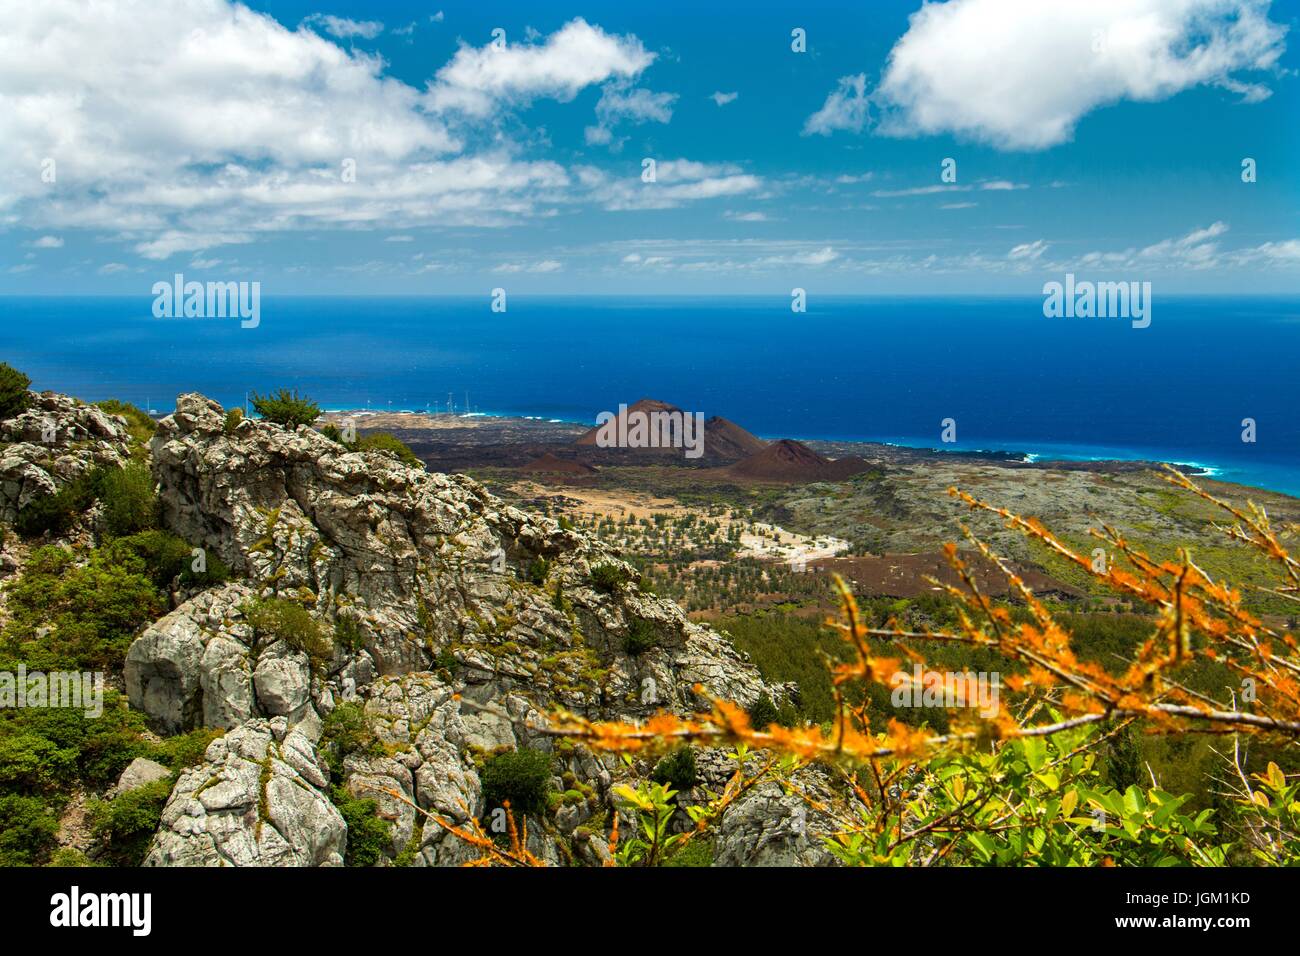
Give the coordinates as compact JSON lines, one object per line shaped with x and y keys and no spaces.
{"x":286,"y":408}
{"x":520,"y":777}
{"x":390,"y":445}
{"x":14,"y":397}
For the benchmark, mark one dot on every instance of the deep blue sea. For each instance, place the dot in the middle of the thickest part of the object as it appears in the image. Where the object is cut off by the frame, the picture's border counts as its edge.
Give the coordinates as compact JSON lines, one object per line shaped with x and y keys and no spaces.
{"x":878,"y":369}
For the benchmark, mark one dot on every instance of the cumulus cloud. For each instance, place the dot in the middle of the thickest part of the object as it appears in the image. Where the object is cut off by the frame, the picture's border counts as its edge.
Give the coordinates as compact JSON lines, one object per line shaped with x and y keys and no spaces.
{"x":576,"y":56}
{"x":1020,"y":74}
{"x":205,"y":123}
{"x":47,"y":242}
{"x":722,"y":99}
{"x":619,"y":102}
{"x":847,"y":108}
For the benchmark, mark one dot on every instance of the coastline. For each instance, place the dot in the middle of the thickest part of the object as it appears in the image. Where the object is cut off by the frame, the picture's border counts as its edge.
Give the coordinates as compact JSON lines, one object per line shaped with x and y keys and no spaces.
{"x":1039,"y":455}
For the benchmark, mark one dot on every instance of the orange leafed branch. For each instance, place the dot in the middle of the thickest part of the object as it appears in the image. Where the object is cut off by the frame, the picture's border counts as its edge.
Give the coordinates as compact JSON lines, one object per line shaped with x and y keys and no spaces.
{"x":1195,"y":617}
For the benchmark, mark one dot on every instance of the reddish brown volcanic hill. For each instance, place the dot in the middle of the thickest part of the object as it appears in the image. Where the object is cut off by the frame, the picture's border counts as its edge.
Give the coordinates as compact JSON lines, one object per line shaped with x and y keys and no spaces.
{"x":788,"y":460}
{"x":550,"y":464}
{"x":726,"y":439}
{"x":723,"y":440}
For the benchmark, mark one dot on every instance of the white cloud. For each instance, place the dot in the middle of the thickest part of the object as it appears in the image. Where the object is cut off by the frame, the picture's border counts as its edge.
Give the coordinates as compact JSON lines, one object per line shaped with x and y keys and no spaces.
{"x":399,"y":238}
{"x":991,"y":185}
{"x":145,"y":114}
{"x":818,"y":258}
{"x":919,"y":191}
{"x":203,"y":123}
{"x":619,"y":102}
{"x":1286,"y":251}
{"x":1199,"y":250}
{"x":1032,"y":251}
{"x":111,"y":268}
{"x":1020,"y":74}
{"x":47,"y":242}
{"x":847,"y":107}
{"x":174,"y":240}
{"x":677,"y":181}
{"x":722,"y":99}
{"x":746,"y":216}
{"x":578,"y":55}
{"x":343,"y":28}
{"x":1197,"y":247}
{"x":542,"y":267}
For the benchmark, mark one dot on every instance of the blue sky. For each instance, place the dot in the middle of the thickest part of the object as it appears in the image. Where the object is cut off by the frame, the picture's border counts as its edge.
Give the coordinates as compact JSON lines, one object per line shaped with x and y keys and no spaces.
{"x":1104,"y":137}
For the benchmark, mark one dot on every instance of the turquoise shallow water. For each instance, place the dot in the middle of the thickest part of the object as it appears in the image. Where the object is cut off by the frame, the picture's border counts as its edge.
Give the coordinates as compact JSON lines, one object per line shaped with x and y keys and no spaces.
{"x":883,"y":369}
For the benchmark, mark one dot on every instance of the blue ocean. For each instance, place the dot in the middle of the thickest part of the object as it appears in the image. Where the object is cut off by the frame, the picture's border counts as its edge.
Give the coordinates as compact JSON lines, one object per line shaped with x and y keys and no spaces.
{"x":850,"y":368}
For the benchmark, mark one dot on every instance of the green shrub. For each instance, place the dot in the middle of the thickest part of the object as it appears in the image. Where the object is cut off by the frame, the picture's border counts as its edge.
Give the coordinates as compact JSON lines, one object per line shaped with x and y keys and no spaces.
{"x":51,"y":748}
{"x":164,"y":557}
{"x":233,"y":417}
{"x":286,"y":408}
{"x":14,"y":397}
{"x":66,"y":857}
{"x":47,"y":514}
{"x":640,"y":637}
{"x":389,"y":445}
{"x":92,"y":611}
{"x":129,"y":500}
{"x":346,"y":731}
{"x":126,"y":824}
{"x":369,"y":836}
{"x":608,"y":578}
{"x":57,"y":513}
{"x":697,"y":852}
{"x":349,"y":633}
{"x":446,"y":660}
{"x":185,"y":750}
{"x":762,"y":713}
{"x":33,"y":764}
{"x":677,"y":770}
{"x":288,"y":621}
{"x":331,"y":431}
{"x":521,"y":777}
{"x":28,"y":830}
{"x":538,"y":569}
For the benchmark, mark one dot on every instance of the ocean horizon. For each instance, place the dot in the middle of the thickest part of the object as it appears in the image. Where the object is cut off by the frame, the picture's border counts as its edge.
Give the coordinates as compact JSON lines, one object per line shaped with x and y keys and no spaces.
{"x":852,"y":368}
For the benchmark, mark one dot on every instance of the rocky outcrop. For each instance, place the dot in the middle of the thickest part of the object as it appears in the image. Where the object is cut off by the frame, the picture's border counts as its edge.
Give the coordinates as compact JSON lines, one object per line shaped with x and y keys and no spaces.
{"x":256,"y":800}
{"x":770,"y":826}
{"x":55,"y":441}
{"x":459,"y":622}
{"x":429,"y":566}
{"x":201,"y":666}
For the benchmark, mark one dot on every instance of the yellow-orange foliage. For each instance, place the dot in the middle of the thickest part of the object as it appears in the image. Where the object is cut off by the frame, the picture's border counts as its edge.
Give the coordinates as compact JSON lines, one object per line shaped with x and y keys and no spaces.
{"x":1196,"y":616}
